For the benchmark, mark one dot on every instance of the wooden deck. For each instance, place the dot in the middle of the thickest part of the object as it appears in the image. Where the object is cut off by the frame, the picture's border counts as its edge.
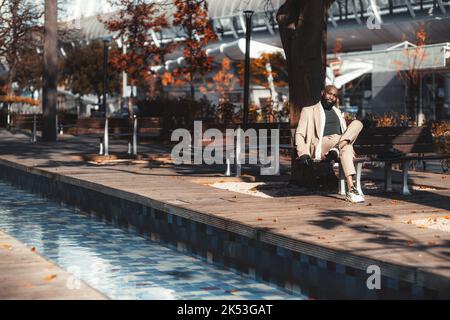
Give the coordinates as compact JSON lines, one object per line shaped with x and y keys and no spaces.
{"x":25,"y":275}
{"x":379,"y":230}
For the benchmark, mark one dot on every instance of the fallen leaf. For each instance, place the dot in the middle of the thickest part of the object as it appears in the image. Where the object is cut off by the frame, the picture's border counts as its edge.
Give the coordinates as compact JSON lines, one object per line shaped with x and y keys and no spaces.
{"x":321,"y":238}
{"x":410,"y":243}
{"x":33,"y":249}
{"x":409,"y":222}
{"x":259,"y":219}
{"x":232,"y":291}
{"x":50,"y":277}
{"x":5,"y":246}
{"x":432,"y":243}
{"x":370,"y":205}
{"x":447,"y":217}
{"x":276,"y":220}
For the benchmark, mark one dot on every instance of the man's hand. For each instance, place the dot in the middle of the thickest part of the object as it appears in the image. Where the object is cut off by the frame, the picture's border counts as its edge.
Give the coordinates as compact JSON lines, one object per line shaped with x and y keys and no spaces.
{"x":305,"y":160}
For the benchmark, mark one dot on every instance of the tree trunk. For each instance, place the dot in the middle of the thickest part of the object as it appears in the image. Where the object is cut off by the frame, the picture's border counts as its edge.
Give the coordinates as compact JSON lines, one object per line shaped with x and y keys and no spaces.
{"x":50,"y":93}
{"x":10,"y":91}
{"x":303,"y":31}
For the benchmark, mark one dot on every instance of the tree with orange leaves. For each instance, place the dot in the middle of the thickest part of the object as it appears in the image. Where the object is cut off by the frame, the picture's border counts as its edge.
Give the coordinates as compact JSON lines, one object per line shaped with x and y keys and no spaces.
{"x":133,"y":24}
{"x":261,"y":73}
{"x":409,"y":72}
{"x":223,"y":82}
{"x":192,"y":17}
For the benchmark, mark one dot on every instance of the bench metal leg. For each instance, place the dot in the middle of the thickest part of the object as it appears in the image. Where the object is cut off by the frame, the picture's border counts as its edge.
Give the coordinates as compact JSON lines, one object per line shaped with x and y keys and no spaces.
{"x":34,"y":136}
{"x":405,"y":188}
{"x":228,"y":172}
{"x":129,"y":148}
{"x":388,"y":176}
{"x":238,"y":154}
{"x":342,"y":182}
{"x":106,"y":139}
{"x":358,"y":177}
{"x":135,"y":137}
{"x":100,"y":152}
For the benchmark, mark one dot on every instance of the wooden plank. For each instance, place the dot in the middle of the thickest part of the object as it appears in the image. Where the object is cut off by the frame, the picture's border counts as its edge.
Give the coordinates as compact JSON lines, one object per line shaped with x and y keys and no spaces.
{"x":26,"y":275}
{"x":379,"y":149}
{"x":393,"y":140}
{"x":396,"y":131}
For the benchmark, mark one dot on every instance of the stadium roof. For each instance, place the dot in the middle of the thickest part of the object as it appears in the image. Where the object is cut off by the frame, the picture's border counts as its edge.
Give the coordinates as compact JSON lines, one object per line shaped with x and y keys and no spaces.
{"x":348,"y":22}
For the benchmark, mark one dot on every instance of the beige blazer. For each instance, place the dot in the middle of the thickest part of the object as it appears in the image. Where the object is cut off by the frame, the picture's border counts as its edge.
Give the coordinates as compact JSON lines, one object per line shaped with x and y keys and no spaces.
{"x":309,"y":133}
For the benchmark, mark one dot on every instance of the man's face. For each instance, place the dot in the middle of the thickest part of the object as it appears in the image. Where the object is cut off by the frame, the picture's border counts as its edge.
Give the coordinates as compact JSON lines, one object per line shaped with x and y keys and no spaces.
{"x":330,"y":96}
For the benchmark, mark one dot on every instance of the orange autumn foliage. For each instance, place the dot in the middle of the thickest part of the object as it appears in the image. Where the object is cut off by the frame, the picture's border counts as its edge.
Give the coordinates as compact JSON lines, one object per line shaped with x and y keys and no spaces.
{"x":192,"y":17}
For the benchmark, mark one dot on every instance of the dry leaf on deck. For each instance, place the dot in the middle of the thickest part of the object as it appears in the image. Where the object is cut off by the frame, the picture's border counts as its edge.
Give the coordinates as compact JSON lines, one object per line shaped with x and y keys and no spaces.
{"x":50,"y":277}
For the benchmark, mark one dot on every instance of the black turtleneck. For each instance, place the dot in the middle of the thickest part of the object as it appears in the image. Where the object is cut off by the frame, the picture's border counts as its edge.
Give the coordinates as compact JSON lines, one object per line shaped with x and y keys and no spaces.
{"x":332,"y":122}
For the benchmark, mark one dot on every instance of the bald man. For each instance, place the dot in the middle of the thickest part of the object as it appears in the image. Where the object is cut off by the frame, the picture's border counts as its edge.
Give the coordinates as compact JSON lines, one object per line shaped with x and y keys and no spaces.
{"x":322,"y":134}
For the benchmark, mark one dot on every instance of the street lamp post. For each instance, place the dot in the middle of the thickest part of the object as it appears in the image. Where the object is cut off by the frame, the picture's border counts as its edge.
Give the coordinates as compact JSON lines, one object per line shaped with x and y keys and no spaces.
{"x":248,"y":35}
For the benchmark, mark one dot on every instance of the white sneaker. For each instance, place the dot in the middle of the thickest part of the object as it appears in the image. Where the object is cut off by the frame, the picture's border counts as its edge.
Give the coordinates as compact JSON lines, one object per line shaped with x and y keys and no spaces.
{"x":354,"y":196}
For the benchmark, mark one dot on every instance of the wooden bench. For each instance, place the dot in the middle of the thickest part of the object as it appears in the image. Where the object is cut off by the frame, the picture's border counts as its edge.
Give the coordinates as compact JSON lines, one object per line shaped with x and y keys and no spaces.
{"x":33,"y":123}
{"x":284,"y":135}
{"x":415,"y":142}
{"x":129,"y":129}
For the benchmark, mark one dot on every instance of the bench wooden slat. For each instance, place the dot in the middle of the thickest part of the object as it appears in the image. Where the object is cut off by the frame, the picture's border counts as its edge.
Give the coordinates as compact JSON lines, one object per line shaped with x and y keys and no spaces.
{"x":406,"y":148}
{"x":394,"y":140}
{"x":397,"y":131}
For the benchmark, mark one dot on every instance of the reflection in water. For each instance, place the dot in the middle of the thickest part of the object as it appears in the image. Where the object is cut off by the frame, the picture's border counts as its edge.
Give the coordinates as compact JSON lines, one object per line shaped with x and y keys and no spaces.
{"x":120,"y":264}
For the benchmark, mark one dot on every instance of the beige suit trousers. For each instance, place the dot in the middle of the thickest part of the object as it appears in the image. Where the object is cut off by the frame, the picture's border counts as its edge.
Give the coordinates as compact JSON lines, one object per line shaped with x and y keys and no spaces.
{"x":345,"y":143}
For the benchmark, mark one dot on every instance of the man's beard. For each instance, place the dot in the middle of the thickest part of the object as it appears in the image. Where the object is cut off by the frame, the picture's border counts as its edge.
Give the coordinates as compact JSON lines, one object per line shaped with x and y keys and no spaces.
{"x":328,"y":105}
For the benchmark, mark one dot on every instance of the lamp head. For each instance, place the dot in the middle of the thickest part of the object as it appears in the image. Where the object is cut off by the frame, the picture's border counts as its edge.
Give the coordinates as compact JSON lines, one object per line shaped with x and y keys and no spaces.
{"x":248,"y":13}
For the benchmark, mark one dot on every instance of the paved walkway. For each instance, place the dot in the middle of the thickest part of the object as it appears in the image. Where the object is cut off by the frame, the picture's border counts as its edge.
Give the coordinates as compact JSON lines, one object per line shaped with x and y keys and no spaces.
{"x":324,"y":225}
